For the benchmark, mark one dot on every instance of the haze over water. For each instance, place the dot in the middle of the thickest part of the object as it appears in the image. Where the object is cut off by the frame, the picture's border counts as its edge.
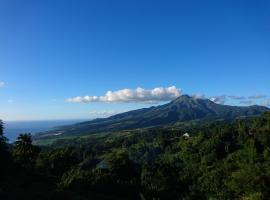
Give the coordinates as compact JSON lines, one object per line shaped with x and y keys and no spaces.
{"x":14,"y":128}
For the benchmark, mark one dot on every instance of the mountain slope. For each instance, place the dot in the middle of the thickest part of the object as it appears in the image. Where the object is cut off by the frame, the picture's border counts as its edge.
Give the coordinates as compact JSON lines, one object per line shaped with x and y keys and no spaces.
{"x":184,"y":108}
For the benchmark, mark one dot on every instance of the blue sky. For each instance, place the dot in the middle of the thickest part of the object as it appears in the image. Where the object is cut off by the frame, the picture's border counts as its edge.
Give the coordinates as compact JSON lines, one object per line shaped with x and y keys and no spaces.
{"x":54,"y":50}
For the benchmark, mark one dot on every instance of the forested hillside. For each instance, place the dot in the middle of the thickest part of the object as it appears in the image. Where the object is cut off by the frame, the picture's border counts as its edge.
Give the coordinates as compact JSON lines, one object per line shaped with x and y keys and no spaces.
{"x":218,"y":160}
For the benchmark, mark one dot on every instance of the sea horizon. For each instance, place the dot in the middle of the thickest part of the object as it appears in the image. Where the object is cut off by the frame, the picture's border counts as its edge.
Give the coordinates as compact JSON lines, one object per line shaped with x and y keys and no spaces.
{"x":15,"y":127}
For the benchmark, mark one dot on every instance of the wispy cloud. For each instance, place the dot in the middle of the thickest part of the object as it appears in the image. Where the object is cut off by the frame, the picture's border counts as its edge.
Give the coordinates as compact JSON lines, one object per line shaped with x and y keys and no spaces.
{"x":244,"y":100}
{"x":10,"y":101}
{"x":104,"y":113}
{"x":237,"y":97}
{"x":257,"y":97}
{"x":139,"y":95}
{"x":247,"y":102}
{"x":265,"y":102}
{"x":198,"y":96}
{"x":2,"y":84}
{"x":219,"y":99}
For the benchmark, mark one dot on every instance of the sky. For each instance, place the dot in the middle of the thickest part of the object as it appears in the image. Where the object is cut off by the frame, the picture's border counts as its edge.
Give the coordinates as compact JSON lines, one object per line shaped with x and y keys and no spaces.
{"x":67,"y":59}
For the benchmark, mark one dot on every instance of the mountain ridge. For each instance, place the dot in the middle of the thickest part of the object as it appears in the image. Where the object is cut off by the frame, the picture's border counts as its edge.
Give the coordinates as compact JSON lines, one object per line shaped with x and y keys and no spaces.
{"x":181,"y":109}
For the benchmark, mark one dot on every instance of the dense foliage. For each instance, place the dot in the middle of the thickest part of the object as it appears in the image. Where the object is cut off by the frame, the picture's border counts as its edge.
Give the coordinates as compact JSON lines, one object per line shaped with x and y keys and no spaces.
{"x":219,"y":160}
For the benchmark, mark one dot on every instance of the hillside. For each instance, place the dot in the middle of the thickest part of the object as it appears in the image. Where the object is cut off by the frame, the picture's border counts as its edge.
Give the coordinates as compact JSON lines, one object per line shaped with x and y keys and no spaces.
{"x":219,"y":160}
{"x":182,"y":109}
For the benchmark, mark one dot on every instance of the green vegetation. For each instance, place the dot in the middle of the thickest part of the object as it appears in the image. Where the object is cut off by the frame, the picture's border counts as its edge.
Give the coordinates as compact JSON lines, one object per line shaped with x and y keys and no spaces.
{"x":219,"y":160}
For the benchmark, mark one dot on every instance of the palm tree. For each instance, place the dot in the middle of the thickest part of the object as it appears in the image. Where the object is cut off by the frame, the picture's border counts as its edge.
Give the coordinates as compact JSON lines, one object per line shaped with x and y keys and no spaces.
{"x":25,"y":152}
{"x":23,"y":145}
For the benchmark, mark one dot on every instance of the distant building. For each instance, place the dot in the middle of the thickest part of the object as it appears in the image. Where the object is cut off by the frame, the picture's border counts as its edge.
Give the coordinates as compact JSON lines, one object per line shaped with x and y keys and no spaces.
{"x":186,"y":135}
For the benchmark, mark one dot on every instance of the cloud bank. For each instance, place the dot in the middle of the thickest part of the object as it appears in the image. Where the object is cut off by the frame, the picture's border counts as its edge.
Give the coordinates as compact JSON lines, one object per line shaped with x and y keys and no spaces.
{"x":139,"y":95}
{"x":163,"y":94}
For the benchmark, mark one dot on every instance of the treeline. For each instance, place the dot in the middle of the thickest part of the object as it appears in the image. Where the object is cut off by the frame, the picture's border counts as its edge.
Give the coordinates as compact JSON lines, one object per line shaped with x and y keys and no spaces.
{"x":219,"y":160}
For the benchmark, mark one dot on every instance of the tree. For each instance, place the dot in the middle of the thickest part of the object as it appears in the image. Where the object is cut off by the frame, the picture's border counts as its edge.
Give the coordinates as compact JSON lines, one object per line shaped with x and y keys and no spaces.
{"x":25,"y":153}
{"x":57,"y":161}
{"x":2,"y":137}
{"x":4,"y":151}
{"x":121,"y":166}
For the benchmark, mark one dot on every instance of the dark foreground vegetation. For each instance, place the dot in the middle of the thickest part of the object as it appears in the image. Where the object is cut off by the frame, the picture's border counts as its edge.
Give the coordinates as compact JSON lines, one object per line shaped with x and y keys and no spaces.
{"x":219,"y":160}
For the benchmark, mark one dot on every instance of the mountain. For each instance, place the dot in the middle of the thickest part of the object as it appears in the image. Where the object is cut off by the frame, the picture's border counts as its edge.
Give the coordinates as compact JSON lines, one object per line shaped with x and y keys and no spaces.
{"x":182,"y":109}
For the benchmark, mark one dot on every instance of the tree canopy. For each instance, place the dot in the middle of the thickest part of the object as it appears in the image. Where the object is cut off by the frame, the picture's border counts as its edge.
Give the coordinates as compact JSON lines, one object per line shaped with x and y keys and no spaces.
{"x":219,"y":160}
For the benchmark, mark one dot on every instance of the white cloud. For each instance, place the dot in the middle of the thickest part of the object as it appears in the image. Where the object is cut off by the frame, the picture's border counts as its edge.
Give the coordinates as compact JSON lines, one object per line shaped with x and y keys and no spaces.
{"x":2,"y":84}
{"x":140,"y":95}
{"x":218,"y":99}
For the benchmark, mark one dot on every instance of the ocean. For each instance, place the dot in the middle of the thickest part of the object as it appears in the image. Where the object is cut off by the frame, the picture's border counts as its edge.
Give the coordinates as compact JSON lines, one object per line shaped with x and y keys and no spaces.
{"x":13,"y":128}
